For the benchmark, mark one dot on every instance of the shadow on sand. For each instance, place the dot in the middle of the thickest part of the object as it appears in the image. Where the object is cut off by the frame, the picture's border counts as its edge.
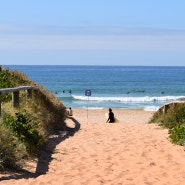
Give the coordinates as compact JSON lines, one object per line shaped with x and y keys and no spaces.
{"x":46,"y":154}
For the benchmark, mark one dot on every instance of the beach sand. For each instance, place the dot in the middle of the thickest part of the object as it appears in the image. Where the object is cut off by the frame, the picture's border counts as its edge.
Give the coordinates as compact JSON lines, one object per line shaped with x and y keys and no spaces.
{"x":131,"y":152}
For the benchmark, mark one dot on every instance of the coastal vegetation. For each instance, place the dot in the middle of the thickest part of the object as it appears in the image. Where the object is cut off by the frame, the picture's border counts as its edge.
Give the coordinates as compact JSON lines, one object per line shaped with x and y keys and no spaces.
{"x":25,"y":129}
{"x":174,"y":120}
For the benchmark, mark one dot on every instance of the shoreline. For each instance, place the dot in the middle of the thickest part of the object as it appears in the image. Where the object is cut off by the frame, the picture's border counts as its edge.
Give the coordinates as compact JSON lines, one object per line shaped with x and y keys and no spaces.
{"x":151,"y":108}
{"x":123,"y":115}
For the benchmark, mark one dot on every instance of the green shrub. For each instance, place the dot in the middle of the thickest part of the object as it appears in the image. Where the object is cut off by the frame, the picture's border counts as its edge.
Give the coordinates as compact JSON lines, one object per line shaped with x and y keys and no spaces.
{"x":25,"y":130}
{"x":5,"y":83}
{"x":177,"y":135}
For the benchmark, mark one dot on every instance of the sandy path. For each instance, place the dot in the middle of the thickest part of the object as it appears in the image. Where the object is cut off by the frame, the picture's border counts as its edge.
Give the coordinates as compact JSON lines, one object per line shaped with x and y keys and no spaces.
{"x":127,"y":153}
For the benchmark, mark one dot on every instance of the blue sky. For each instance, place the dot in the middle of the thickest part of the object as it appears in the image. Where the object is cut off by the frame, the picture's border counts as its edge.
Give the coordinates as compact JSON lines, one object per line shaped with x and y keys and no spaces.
{"x":92,"y":32}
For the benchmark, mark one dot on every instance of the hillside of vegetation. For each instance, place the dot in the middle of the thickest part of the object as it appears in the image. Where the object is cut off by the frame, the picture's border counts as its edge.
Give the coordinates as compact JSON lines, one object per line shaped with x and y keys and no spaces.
{"x":24,"y":130}
{"x":174,"y":120}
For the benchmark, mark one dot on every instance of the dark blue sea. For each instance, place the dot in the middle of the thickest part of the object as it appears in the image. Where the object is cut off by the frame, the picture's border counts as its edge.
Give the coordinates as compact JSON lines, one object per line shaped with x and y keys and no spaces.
{"x":123,"y":87}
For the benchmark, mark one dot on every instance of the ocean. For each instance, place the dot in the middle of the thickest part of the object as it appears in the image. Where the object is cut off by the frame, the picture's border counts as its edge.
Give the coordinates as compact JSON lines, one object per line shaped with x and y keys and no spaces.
{"x":122,"y":87}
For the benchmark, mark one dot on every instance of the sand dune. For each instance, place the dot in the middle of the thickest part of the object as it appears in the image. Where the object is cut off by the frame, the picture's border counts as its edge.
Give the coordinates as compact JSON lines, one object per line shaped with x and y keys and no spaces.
{"x":130,"y":152}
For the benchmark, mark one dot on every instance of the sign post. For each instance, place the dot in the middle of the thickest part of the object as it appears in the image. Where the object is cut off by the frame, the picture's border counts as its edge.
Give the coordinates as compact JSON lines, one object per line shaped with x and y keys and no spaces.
{"x":87,"y":93}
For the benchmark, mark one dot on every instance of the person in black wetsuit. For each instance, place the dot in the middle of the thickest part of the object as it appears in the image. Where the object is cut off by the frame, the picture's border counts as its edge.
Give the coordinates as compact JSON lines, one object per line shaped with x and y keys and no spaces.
{"x":111,"y":116}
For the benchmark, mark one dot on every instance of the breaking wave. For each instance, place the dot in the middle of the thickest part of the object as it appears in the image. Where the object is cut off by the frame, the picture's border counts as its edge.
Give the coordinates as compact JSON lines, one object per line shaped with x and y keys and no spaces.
{"x":130,"y":99}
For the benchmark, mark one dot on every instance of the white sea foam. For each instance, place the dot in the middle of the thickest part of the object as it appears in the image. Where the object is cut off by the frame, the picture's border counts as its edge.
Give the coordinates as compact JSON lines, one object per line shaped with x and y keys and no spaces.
{"x":129,"y":99}
{"x":151,"y":108}
{"x":95,"y":108}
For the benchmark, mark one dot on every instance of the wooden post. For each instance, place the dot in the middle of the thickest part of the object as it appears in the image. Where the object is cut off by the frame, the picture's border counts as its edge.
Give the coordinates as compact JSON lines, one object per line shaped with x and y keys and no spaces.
{"x":0,"y":104}
{"x":15,"y":94}
{"x":29,"y":93}
{"x":15,"y":99}
{"x":174,"y":105}
{"x":0,"y":108}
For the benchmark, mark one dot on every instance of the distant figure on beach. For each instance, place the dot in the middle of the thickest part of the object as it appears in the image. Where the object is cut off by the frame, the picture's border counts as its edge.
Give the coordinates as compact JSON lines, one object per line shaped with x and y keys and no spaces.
{"x":111,"y":116}
{"x":70,"y":112}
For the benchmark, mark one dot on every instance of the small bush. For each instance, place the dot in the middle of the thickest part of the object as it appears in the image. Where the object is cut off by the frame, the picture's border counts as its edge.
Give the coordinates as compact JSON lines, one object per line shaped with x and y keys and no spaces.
{"x":10,"y":79}
{"x":177,"y":135}
{"x":25,"y":130}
